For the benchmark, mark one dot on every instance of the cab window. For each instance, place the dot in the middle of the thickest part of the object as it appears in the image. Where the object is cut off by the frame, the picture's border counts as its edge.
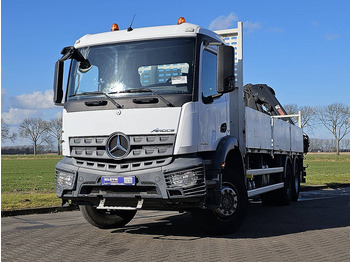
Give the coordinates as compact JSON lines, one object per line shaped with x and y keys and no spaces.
{"x":209,"y":68}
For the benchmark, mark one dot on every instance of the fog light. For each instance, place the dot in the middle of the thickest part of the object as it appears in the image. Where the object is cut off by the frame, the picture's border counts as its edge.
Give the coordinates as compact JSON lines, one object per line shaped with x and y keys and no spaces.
{"x":184,"y":179}
{"x":64,"y":178}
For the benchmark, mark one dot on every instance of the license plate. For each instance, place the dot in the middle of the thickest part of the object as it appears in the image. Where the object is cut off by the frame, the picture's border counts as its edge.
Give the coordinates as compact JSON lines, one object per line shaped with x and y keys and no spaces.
{"x":118,"y":181}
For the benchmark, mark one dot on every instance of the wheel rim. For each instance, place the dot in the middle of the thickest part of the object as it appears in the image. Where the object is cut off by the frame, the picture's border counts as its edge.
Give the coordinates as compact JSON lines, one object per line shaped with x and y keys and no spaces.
{"x":228,"y":203}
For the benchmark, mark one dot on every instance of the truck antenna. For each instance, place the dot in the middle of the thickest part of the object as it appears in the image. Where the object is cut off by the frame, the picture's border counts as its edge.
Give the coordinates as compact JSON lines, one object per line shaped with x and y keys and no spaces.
{"x":132,"y":21}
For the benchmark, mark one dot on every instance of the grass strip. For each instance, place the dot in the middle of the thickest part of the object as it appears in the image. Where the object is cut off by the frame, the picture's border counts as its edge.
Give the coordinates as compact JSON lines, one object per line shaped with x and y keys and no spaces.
{"x":327,"y":169}
{"x":28,"y":181}
{"x":29,"y":200}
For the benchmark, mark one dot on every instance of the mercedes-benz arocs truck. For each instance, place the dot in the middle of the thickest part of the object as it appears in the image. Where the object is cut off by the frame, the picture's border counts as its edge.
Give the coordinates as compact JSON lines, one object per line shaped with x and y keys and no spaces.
{"x":158,"y":118}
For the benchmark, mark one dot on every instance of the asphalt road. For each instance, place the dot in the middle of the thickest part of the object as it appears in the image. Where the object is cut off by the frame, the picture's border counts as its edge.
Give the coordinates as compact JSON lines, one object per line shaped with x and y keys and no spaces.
{"x":316,"y":228}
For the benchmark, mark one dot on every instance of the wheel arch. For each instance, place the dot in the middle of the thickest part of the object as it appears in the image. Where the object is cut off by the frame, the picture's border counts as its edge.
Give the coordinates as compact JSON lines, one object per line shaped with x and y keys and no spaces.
{"x":228,"y":156}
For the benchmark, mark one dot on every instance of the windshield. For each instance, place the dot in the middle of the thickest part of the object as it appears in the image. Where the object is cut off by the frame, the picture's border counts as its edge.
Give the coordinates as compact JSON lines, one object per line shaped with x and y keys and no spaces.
{"x":165,"y":66}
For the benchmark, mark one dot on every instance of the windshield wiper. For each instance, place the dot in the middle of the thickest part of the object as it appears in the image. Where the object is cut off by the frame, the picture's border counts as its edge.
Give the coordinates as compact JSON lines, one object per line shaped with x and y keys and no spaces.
{"x":99,"y":93}
{"x":146,"y":90}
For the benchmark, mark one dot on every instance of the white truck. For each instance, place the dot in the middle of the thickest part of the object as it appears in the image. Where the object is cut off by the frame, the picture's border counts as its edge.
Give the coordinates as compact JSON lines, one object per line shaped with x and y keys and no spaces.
{"x":158,"y":118}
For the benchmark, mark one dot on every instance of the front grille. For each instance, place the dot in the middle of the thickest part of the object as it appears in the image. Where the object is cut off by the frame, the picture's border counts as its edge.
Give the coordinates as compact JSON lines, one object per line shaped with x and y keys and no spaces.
{"x":141,"y":146}
{"x":124,"y":166}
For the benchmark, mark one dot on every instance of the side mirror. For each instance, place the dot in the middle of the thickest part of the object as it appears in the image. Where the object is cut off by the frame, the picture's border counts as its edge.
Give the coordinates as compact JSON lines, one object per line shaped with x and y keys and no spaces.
{"x":225,"y":70}
{"x":68,"y":52}
{"x":58,"y":83}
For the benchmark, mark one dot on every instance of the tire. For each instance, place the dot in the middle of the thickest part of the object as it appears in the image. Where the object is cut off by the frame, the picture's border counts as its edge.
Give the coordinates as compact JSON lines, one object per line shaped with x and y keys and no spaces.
{"x":106,"y":219}
{"x":232,"y":212}
{"x":283,"y":196}
{"x":296,"y":179}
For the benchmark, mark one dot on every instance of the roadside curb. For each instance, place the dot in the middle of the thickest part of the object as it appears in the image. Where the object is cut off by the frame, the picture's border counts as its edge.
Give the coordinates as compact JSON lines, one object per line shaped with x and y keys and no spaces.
{"x":32,"y":211}
{"x":45,"y":210}
{"x":330,"y":186}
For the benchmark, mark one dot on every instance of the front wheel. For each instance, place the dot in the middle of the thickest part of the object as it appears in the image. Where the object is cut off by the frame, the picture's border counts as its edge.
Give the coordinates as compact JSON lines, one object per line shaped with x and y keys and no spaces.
{"x":106,"y":219}
{"x":232,"y":211}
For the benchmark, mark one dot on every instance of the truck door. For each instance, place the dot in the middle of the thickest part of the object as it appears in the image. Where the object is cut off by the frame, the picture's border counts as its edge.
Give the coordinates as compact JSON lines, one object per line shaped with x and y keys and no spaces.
{"x":213,"y":111}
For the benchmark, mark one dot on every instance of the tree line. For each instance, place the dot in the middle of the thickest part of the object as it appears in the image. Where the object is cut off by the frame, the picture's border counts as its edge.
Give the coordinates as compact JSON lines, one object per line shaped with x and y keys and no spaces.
{"x":328,"y":145}
{"x":335,"y":118}
{"x":40,"y":132}
{"x":27,"y":150}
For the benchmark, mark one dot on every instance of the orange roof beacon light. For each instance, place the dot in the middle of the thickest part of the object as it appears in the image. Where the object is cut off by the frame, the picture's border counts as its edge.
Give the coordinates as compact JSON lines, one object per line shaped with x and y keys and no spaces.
{"x":115,"y":27}
{"x":181,"y":20}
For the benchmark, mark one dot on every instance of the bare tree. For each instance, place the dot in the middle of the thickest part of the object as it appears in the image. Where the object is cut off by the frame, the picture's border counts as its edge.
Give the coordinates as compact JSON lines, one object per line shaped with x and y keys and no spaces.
{"x":291,"y":109}
{"x":336,"y":119}
{"x":308,"y":114}
{"x":5,"y":132}
{"x":329,"y":145}
{"x":34,"y":129}
{"x":54,"y":127}
{"x":316,"y":145}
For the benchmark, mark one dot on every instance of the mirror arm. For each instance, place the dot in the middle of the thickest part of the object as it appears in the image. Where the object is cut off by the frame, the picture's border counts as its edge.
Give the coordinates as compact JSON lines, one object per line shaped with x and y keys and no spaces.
{"x":70,"y":52}
{"x":67,"y":53}
{"x":207,"y":99}
{"x":210,"y":99}
{"x":230,"y":82}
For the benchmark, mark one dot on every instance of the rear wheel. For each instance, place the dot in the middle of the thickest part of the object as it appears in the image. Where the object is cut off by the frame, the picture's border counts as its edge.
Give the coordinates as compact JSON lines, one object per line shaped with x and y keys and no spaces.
{"x":296,"y":179}
{"x":281,"y":196}
{"x":106,"y":219}
{"x":231,"y":213}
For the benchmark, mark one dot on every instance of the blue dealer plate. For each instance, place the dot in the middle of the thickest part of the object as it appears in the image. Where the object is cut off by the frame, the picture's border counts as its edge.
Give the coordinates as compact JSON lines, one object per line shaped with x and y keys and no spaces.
{"x":118,"y":181}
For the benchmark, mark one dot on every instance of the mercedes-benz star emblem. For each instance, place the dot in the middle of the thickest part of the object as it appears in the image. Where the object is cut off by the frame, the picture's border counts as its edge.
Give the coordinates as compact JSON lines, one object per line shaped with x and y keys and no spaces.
{"x":118,"y":146}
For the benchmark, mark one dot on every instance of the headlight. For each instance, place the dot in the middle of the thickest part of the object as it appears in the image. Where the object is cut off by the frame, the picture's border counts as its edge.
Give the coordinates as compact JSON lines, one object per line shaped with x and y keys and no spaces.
{"x":184,"y":179}
{"x":64,"y":179}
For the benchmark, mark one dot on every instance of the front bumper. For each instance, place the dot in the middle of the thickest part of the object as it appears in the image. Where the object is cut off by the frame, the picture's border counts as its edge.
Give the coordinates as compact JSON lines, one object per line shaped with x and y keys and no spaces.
{"x":181,"y":182}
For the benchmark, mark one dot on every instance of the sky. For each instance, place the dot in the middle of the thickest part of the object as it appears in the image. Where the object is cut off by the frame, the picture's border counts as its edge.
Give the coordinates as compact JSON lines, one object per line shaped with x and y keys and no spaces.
{"x":300,"y":48}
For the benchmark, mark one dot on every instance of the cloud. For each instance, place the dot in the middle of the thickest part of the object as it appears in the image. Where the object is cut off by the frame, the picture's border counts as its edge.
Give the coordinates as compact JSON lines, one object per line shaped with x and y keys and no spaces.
{"x":15,"y":109}
{"x":276,"y":30}
{"x":35,"y":100}
{"x":251,"y":26}
{"x":16,"y":116}
{"x":331,"y":37}
{"x":5,"y":106}
{"x":223,"y":22}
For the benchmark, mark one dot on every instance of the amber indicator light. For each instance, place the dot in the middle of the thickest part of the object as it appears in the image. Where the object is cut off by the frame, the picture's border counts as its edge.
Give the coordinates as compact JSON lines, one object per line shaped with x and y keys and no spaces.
{"x":181,"y":20}
{"x":115,"y":27}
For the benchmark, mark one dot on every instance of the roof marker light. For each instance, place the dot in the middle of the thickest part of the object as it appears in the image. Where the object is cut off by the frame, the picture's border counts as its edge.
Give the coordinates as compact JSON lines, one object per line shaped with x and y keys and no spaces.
{"x":181,"y":20}
{"x":115,"y":27}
